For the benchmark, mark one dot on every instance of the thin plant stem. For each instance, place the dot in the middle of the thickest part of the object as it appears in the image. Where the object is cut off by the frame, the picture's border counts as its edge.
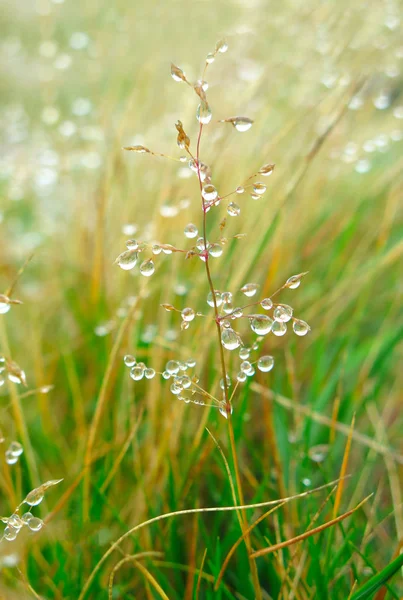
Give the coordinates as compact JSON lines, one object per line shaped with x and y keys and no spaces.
{"x":228,"y":405}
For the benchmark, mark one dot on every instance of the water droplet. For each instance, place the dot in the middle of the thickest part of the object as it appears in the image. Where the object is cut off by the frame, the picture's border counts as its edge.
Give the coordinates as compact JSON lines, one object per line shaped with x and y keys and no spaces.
{"x":218,"y":298}
{"x":266,"y":170}
{"x":35,"y":496}
{"x":266,"y":303}
{"x":363,"y":166}
{"x":26,"y":517}
{"x":228,"y":380}
{"x":209,"y":192}
{"x":382,"y":101}
{"x":241,"y":124}
{"x":230,"y":339}
{"x":188,"y":314}
{"x":15,"y":521}
{"x":137,"y":373}
{"x":191,"y":231}
{"x":129,"y":360}
{"x":10,"y":458}
{"x":203,"y":113}
{"x":191,"y":363}
{"x":223,"y":411}
{"x":221,"y":46}
{"x":210,"y":58}
{"x":250,"y":289}
{"x":294,"y":282}
{"x":283,"y":312}
{"x":244,"y":353}
{"x":177,"y":73}
{"x":16,"y":449}
{"x":35,"y":524}
{"x":215,"y":250}
{"x":226,"y":297}
{"x":127,"y":260}
{"x":318,"y":453}
{"x":172,"y":367}
{"x":233,"y":209}
{"x":261,"y":324}
{"x":186,"y":382}
{"x":245,"y":366}
{"x":265,"y":363}
{"x":175,"y":388}
{"x":166,"y":375}
{"x":279,"y":328}
{"x":241,"y":377}
{"x":10,"y":533}
{"x":300,"y":327}
{"x":237,"y":312}
{"x":132,"y":244}
{"x":147,"y":268}
{"x":4,"y":304}
{"x":259,"y":188}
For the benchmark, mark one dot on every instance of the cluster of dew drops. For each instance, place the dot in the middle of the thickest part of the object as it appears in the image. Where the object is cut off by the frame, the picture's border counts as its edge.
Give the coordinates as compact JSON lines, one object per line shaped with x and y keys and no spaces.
{"x":18,"y":521}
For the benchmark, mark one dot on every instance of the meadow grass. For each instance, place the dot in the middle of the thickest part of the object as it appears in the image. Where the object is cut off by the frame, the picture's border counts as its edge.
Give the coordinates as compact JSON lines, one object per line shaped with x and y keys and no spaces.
{"x":322,"y":83}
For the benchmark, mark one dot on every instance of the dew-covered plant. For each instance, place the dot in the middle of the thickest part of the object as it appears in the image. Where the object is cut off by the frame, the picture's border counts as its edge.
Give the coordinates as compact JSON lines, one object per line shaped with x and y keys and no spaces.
{"x":241,"y":325}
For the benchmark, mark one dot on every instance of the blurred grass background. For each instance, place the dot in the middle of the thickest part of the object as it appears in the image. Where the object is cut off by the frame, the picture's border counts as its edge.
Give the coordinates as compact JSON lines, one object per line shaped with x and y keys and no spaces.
{"x":323,"y":83}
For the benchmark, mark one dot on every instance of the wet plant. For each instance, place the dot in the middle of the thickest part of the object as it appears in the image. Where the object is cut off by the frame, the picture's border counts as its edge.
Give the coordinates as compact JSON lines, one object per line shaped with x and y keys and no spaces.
{"x":234,"y":319}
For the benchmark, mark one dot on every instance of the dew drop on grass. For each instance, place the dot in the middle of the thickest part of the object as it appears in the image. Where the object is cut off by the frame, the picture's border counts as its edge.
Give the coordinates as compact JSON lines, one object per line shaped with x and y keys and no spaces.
{"x":244,"y":353}
{"x":266,"y":303}
{"x":228,"y":381}
{"x":210,"y":58}
{"x":4,"y":305}
{"x":129,"y":360}
{"x":132,"y":244}
{"x":139,"y":149}
{"x":294,"y":282}
{"x":241,"y":377}
{"x":259,"y":188}
{"x":156,"y":249}
{"x":221,"y":46}
{"x":175,"y":389}
{"x":127,"y":260}
{"x":191,"y":363}
{"x":186,"y":382}
{"x":177,"y":73}
{"x":266,"y":170}
{"x":261,"y":324}
{"x":283,"y":313}
{"x":255,"y":196}
{"x":136,"y":373}
{"x":229,"y":339}
{"x":147,"y":268}
{"x":218,"y":298}
{"x":250,"y":289}
{"x":241,"y":124}
{"x":240,"y":189}
{"x":26,"y":517}
{"x":191,"y":231}
{"x":166,"y":375}
{"x":226,"y":297}
{"x":15,"y":521}
{"x":265,"y":363}
{"x":16,"y":449}
{"x":203,"y":113}
{"x":35,"y":524}
{"x":172,"y":367}
{"x":149,"y":373}
{"x":233,"y":209}
{"x":10,"y":458}
{"x":245,"y":366}
{"x":188,"y":314}
{"x":300,"y":327}
{"x":10,"y":533}
{"x":215,"y":250}
{"x":223,"y":411}
{"x":35,"y":497}
{"x":209,"y":192}
{"x":279,"y":328}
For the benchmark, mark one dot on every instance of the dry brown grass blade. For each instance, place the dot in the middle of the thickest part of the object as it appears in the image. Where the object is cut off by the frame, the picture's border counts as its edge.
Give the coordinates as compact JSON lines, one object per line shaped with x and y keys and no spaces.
{"x":18,"y":275}
{"x":190,"y":511}
{"x":132,"y":558}
{"x":343,"y":470}
{"x":303,"y":536}
{"x":238,"y":542}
